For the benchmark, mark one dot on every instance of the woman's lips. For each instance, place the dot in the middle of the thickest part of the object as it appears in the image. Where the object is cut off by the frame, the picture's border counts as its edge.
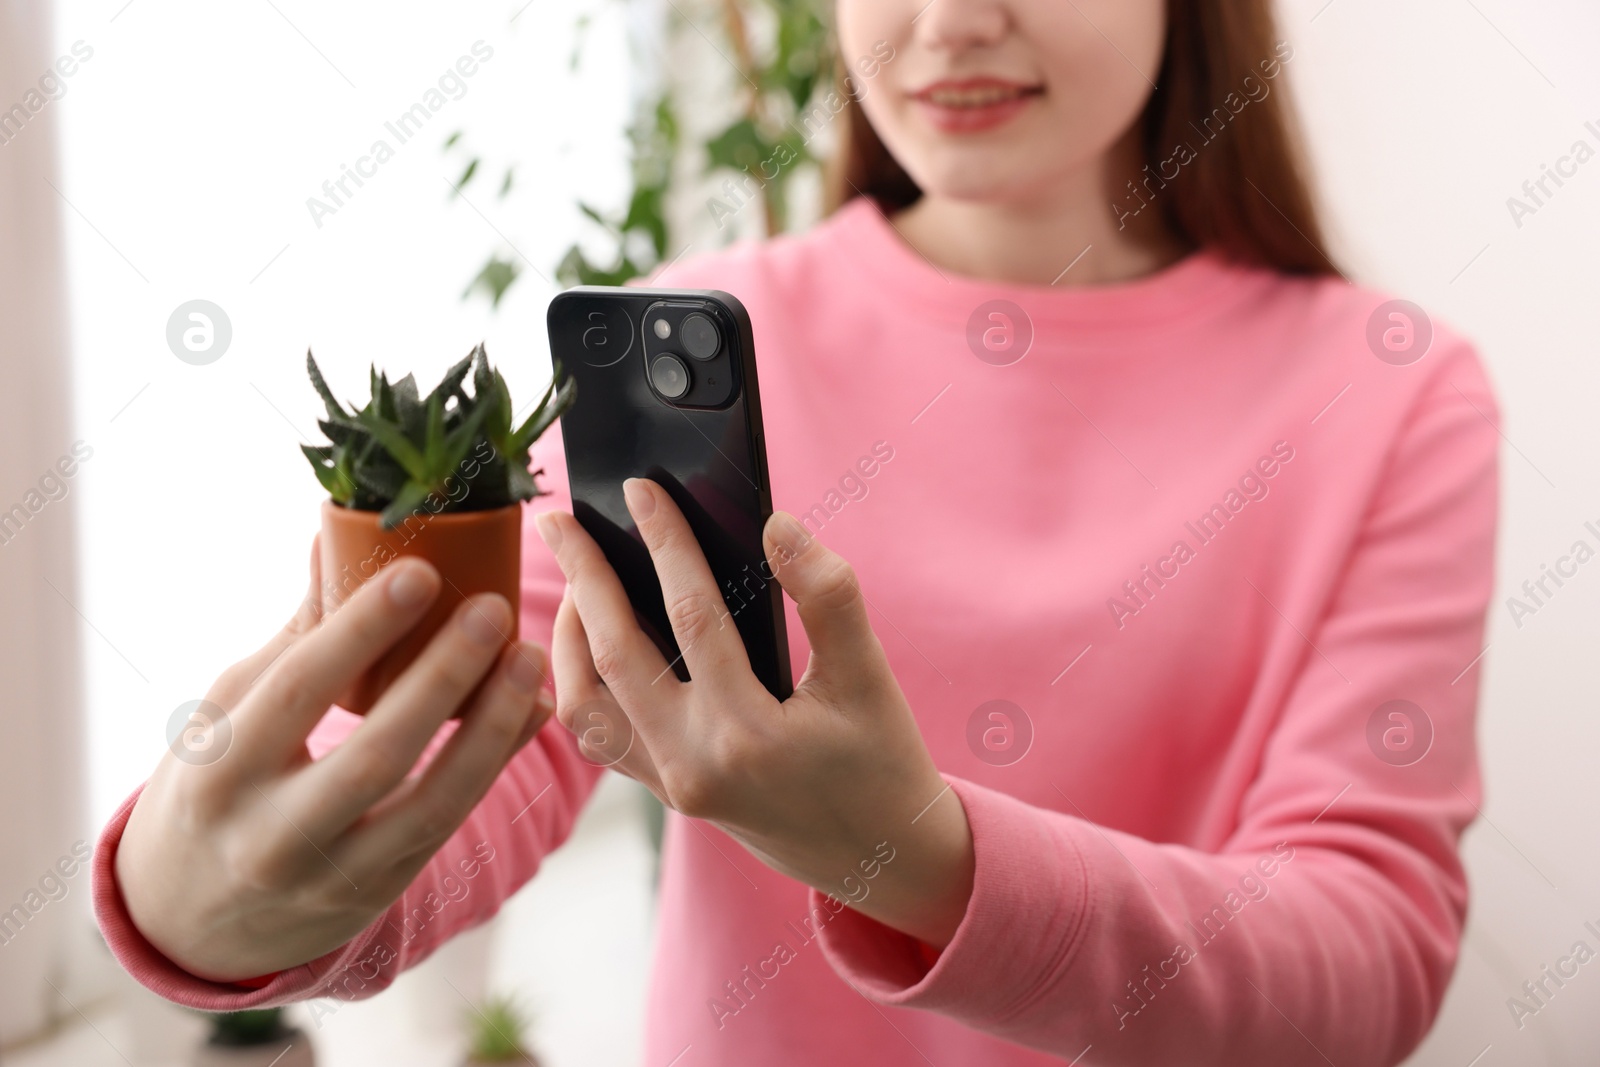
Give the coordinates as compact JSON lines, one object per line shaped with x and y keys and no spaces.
{"x":973,"y":104}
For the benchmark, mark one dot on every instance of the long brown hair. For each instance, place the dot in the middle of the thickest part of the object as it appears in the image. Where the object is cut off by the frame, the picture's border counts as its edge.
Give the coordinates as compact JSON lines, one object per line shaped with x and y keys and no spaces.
{"x":1242,"y":190}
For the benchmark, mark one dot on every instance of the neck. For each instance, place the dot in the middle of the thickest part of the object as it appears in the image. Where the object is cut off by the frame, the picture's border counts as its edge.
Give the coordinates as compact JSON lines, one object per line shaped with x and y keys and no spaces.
{"x":1064,"y":235}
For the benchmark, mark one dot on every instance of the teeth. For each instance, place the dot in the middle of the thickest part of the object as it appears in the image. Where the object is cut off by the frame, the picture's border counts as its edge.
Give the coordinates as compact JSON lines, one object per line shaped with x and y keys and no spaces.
{"x":984,"y":97}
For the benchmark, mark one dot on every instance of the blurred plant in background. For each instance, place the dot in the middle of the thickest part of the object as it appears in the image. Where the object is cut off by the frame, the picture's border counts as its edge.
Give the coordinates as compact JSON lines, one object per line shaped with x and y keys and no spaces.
{"x":239,"y":1029}
{"x":780,"y":62}
{"x":781,"y":58}
{"x":496,"y":1030}
{"x":257,"y":1037}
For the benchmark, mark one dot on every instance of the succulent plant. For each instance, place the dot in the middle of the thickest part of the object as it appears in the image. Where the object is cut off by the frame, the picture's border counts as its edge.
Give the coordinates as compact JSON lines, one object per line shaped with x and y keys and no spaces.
{"x":449,"y":451}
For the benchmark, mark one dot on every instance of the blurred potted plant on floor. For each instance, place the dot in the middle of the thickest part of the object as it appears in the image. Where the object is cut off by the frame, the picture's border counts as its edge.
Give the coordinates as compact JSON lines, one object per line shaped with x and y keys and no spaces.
{"x":441,"y":477}
{"x":496,"y":1030}
{"x":257,"y":1038}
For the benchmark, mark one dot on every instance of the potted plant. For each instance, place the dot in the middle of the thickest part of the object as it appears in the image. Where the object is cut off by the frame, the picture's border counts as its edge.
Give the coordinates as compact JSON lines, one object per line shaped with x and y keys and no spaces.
{"x":442,"y":477}
{"x":254,"y":1038}
{"x":495,"y":1034}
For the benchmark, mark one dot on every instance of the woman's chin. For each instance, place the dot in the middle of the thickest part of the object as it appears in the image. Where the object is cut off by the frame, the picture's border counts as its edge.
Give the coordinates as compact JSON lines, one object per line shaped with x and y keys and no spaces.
{"x":986,"y":185}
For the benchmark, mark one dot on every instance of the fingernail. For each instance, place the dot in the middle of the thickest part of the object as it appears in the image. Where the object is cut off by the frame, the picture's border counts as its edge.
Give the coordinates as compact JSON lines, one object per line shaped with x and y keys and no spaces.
{"x":484,"y":619}
{"x":641,"y":501}
{"x":412,"y":585}
{"x":548,"y":529}
{"x":526,"y":671}
{"x":790,"y":535}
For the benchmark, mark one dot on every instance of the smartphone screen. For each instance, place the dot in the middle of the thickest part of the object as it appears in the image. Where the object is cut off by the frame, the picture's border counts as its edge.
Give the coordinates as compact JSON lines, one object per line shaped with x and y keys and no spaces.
{"x":666,"y":390}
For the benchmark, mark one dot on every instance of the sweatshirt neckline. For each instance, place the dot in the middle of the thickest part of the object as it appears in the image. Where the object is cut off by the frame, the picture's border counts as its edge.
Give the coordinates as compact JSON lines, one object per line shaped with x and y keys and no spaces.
{"x":1200,"y":284}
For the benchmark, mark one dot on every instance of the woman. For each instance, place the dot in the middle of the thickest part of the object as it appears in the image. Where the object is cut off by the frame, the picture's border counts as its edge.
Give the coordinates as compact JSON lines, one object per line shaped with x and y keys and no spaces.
{"x":1137,"y":728}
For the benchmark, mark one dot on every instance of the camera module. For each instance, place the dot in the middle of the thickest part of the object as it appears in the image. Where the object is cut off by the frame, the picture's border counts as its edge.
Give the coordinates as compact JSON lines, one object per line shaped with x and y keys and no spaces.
{"x":699,"y":336}
{"x":669,"y":376}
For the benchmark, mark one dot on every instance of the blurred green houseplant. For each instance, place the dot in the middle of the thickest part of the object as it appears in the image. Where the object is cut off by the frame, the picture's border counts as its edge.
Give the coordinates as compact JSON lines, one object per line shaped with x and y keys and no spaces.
{"x":256,"y":1037}
{"x":496,"y":1030}
{"x":783,"y":61}
{"x":258,"y":1026}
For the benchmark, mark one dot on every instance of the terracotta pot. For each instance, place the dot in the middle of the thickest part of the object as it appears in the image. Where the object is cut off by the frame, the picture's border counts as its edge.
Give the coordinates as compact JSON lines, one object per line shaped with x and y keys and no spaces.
{"x":474,"y":551}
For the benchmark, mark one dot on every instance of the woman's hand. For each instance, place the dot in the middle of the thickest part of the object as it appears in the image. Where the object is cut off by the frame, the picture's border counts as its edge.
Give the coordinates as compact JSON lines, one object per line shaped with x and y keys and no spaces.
{"x":833,"y":787}
{"x":262,"y":859}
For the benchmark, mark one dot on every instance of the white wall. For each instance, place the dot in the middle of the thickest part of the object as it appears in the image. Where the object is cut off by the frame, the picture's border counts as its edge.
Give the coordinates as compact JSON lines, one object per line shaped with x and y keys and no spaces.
{"x":41,"y":762}
{"x":1423,"y":120}
{"x":193,"y":139}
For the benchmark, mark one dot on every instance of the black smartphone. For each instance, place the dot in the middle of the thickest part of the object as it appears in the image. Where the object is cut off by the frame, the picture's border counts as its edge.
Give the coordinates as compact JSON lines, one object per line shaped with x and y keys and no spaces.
{"x":666,"y":390}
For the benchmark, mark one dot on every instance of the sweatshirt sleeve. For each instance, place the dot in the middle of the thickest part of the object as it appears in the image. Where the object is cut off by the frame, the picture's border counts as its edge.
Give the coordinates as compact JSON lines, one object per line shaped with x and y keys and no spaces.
{"x":1326,"y":928}
{"x":526,"y":814}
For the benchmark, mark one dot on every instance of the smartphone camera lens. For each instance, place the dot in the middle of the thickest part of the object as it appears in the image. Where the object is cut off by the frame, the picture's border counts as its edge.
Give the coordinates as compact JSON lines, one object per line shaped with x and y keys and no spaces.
{"x":699,"y":336}
{"x":669,"y":376}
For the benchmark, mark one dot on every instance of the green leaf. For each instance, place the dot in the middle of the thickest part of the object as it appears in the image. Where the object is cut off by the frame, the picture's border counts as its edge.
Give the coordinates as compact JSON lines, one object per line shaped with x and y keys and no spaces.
{"x":521,"y":482}
{"x":494,"y":279}
{"x":483,"y":388}
{"x":455,"y":447}
{"x":490,"y":487}
{"x":580,"y":32}
{"x":450,"y":142}
{"x":321,"y":386}
{"x":384,"y":399}
{"x":503,"y":407}
{"x":333,"y":480}
{"x":408,"y":500}
{"x":450,"y":384}
{"x":739,"y":147}
{"x":406,"y":391}
{"x":343,"y":430}
{"x":505,"y":184}
{"x":395,"y":442}
{"x":408,"y":407}
{"x":596,"y":217}
{"x":575,"y":269}
{"x":466,"y":176}
{"x":382,"y":480}
{"x":547,"y":413}
{"x":433,"y":439}
{"x":497,"y":418}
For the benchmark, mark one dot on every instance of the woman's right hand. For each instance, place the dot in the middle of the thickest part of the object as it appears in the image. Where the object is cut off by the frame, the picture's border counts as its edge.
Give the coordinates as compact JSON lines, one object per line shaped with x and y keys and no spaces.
{"x":262,"y":859}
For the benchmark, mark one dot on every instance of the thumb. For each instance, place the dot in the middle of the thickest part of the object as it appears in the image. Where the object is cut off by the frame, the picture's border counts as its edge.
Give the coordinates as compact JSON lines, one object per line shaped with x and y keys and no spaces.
{"x":828,"y":597}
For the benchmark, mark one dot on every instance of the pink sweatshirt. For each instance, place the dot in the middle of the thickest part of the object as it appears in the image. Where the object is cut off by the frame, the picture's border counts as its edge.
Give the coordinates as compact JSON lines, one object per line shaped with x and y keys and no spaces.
{"x":1152,"y":590}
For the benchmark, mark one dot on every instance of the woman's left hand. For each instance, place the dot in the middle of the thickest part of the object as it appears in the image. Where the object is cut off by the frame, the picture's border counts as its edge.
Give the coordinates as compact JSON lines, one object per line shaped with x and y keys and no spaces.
{"x":833,"y":787}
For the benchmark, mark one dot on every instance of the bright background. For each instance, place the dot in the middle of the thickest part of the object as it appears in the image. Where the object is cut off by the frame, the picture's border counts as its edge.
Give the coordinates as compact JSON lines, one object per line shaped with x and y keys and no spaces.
{"x":1424,"y":118}
{"x":192,"y":141}
{"x":189,"y":145}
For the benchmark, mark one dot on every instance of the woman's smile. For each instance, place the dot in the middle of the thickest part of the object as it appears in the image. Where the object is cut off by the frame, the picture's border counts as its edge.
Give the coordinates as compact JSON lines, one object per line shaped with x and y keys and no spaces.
{"x":972,"y":105}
